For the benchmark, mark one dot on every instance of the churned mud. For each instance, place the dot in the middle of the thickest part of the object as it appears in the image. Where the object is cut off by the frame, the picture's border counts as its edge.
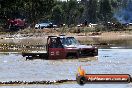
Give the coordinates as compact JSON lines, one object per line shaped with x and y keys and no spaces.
{"x":114,"y":58}
{"x":62,"y":73}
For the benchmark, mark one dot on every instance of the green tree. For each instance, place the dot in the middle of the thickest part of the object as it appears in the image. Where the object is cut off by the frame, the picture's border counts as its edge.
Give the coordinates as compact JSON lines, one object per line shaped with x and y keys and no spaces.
{"x":71,"y":10}
{"x":74,"y":11}
{"x":57,"y":14}
{"x":39,"y":9}
{"x":105,"y":10}
{"x":31,"y":9}
{"x":92,"y":11}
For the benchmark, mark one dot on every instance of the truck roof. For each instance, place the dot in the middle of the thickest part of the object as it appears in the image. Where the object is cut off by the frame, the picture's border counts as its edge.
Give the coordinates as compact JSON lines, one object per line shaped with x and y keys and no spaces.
{"x":61,"y":36}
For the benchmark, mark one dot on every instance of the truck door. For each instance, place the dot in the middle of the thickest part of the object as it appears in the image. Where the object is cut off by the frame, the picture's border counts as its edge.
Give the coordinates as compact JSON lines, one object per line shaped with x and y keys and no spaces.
{"x":56,"y":50}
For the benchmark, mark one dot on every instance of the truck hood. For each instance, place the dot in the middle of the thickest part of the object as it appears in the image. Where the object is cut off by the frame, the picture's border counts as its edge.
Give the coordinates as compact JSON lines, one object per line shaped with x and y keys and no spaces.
{"x":80,"y":46}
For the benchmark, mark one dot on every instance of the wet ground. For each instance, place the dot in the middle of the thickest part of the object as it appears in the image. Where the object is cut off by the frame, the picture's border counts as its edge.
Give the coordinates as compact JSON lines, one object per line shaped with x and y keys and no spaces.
{"x":114,"y":57}
{"x":13,"y":67}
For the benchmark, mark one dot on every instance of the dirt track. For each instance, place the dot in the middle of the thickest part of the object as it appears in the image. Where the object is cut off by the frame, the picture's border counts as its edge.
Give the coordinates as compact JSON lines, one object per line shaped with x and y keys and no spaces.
{"x":40,"y":38}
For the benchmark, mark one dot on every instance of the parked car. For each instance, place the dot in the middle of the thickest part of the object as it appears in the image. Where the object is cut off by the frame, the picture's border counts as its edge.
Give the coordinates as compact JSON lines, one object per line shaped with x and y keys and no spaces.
{"x":44,"y":24}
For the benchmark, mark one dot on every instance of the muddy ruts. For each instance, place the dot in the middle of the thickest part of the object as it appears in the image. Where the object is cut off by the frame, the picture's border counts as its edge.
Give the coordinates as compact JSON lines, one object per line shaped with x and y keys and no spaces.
{"x":36,"y":82}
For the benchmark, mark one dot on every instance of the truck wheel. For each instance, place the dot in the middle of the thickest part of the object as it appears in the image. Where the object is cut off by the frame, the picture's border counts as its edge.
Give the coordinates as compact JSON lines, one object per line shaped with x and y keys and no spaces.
{"x":81,"y":80}
{"x":39,"y":27}
{"x":95,"y":54}
{"x":71,"y":57}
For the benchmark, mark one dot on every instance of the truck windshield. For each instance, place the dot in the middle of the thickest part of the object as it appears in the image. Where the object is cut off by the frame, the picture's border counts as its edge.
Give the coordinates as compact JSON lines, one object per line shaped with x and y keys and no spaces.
{"x":69,"y":41}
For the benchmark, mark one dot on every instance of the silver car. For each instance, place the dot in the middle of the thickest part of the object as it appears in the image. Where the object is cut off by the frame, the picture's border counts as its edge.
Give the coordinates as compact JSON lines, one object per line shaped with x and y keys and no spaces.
{"x":43,"y":25}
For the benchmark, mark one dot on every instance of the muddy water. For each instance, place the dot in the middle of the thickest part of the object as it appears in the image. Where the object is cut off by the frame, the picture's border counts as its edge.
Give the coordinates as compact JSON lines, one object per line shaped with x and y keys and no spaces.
{"x":14,"y":67}
{"x":114,"y":57}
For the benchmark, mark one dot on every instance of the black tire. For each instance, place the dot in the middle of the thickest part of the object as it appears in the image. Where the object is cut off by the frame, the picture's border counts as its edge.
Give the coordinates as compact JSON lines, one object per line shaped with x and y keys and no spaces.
{"x":81,"y":80}
{"x":95,"y":54}
{"x":71,"y":57}
{"x":39,"y":27}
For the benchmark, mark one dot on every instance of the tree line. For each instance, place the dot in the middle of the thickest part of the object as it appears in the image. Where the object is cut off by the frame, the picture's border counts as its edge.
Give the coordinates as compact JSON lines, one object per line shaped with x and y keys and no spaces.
{"x":68,"y":12}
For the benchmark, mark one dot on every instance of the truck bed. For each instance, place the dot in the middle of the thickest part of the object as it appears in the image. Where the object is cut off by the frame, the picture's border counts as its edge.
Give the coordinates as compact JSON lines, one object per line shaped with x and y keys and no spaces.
{"x":35,"y":55}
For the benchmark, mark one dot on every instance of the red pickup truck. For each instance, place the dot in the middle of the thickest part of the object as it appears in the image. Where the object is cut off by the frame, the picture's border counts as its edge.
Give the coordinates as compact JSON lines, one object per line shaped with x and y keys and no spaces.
{"x":16,"y":24}
{"x":62,"y":47}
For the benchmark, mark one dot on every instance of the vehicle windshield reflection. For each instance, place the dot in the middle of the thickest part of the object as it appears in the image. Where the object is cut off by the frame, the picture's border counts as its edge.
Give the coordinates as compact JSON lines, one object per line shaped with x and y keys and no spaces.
{"x":69,"y":41}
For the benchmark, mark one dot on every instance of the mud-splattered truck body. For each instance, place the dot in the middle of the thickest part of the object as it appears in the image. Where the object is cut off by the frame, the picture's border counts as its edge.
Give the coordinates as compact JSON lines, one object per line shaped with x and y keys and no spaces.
{"x":63,"y":47}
